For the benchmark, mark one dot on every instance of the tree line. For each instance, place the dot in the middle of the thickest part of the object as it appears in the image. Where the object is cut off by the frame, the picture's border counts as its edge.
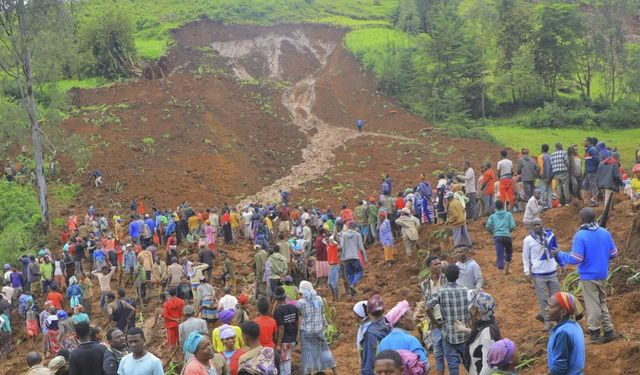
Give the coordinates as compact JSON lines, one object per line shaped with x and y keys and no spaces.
{"x":476,"y":58}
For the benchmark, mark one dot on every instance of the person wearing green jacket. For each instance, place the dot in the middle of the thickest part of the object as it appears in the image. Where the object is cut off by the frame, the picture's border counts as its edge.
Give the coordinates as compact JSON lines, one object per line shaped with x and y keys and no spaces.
{"x":501,"y":224}
{"x":46,"y":270}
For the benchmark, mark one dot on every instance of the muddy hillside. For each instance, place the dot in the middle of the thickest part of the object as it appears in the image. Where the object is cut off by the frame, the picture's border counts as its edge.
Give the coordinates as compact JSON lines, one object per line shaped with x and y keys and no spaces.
{"x":236,"y":113}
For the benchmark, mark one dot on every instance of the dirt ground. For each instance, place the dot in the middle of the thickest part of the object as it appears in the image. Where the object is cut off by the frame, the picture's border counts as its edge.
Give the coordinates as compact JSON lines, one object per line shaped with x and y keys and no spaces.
{"x":238,"y":112}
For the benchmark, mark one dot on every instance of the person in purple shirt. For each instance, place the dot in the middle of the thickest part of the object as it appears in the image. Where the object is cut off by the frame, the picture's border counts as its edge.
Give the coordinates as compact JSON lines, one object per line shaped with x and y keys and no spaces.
{"x":591,"y":251}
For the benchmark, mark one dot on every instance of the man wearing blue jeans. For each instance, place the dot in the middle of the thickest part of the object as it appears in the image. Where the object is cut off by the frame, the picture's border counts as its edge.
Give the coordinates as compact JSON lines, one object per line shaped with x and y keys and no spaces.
{"x":500,"y":224}
{"x":546,"y":177}
{"x":454,"y":306}
{"x":429,"y":287}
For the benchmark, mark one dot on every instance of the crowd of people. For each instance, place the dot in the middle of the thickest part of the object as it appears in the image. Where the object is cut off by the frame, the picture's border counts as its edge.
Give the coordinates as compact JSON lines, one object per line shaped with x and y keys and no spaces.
{"x":177,"y":256}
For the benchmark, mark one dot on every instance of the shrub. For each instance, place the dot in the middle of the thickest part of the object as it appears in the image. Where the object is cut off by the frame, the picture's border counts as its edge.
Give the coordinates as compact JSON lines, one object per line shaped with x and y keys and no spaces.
{"x":108,"y":38}
{"x":551,"y":115}
{"x":624,"y":114}
{"x":19,"y":220}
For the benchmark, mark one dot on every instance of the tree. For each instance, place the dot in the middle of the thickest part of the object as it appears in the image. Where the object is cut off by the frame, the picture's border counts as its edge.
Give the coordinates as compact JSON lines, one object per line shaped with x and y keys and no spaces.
{"x":586,"y":57}
{"x":514,"y":32}
{"x":408,"y":17}
{"x":19,"y":24}
{"x":608,"y":23}
{"x":107,"y":36}
{"x":449,"y":66}
{"x":481,"y":18}
{"x":632,"y":72}
{"x":554,"y":45}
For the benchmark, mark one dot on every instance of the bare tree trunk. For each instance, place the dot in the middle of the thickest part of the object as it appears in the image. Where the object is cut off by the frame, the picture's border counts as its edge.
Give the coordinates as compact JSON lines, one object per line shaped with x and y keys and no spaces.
{"x":33,"y":118}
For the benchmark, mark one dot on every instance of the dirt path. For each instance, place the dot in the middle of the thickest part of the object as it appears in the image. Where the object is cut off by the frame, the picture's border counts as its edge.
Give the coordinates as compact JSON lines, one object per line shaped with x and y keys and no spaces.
{"x":318,"y":155}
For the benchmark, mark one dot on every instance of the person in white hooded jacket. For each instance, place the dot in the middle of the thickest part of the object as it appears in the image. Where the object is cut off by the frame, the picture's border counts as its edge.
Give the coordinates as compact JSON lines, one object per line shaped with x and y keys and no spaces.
{"x":540,"y":266}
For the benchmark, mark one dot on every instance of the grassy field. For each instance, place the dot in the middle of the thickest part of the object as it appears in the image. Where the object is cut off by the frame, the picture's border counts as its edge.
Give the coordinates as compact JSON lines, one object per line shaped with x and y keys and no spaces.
{"x":370,"y":45}
{"x":517,"y":137}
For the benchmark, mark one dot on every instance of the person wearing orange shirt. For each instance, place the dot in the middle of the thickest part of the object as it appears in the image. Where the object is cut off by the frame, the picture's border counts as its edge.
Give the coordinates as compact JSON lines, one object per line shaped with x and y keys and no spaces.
{"x":487,"y":187}
{"x":334,"y":267}
{"x":172,"y":313}
{"x":55,"y":297}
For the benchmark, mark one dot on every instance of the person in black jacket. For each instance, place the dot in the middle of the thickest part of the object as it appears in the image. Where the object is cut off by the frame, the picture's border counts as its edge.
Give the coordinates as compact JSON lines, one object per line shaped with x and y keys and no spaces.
{"x":117,"y":349}
{"x":88,"y":358}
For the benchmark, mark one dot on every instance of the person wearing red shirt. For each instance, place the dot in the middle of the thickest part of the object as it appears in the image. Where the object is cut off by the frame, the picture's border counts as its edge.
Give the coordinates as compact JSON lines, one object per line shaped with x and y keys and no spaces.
{"x":334,"y":267}
{"x":346,"y":214}
{"x":172,"y":313}
{"x":322,"y":265}
{"x":171,"y":241}
{"x":64,"y":236}
{"x":268,"y":325}
{"x":400,"y":202}
{"x":55,"y":297}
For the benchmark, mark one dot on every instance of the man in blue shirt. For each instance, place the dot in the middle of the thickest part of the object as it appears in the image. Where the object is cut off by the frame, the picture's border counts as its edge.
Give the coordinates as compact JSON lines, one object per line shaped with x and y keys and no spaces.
{"x":359,"y":123}
{"x":139,"y":361}
{"x":591,"y":251}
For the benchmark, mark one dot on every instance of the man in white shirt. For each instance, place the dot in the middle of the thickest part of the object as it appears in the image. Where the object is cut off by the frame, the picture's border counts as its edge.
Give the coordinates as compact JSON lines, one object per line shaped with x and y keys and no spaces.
{"x":540,"y":267}
{"x":505,"y":175}
{"x":246,"y":219}
{"x":469,"y":179}
{"x":228,"y":301}
{"x":533,"y":209}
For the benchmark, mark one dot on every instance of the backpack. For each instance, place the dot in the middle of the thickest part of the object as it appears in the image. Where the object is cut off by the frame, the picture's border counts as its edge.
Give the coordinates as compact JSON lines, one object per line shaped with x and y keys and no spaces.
{"x":146,"y":231}
{"x":411,"y":363}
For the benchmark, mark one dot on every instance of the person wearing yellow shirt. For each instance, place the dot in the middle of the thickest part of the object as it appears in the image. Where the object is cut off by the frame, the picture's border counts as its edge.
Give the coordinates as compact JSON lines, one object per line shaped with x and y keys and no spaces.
{"x":235,"y":222}
{"x":226,"y":316}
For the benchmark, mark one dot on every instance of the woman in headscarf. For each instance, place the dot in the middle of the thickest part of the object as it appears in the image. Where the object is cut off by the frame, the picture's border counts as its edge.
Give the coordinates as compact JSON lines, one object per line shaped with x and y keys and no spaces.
{"x":227,"y":360}
{"x":206,"y":301}
{"x":315,"y":353}
{"x":258,"y":360}
{"x":360,"y":314}
{"x":483,"y":332}
{"x":225,"y":219}
{"x":386,"y":238}
{"x":400,"y":317}
{"x":52,"y":325}
{"x":566,"y":350}
{"x":226,"y":317}
{"x":74,"y":292}
{"x":503,"y":357}
{"x":201,"y":363}
{"x":210,"y":234}
{"x":66,"y":332}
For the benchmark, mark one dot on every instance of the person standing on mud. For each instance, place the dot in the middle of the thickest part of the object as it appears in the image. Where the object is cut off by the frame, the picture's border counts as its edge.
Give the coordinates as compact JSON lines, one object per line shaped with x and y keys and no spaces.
{"x":359,"y":124}
{"x":469,"y":179}
{"x":501,"y":224}
{"x":505,"y":175}
{"x":454,"y":306}
{"x":409,"y":225}
{"x":457,"y":222}
{"x":351,"y":245}
{"x":540,"y":267}
{"x":560,"y":168}
{"x":592,"y":250}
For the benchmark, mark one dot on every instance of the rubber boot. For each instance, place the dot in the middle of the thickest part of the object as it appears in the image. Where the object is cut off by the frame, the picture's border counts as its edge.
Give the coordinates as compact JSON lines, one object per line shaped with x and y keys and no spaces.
{"x":506,"y":268}
{"x":596,"y":337}
{"x":609,"y":336}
